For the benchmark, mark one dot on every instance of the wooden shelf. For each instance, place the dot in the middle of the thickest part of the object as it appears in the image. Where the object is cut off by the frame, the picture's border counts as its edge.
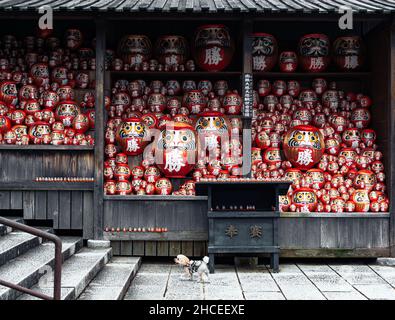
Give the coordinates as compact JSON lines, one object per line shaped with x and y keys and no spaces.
{"x":301,"y":75}
{"x":155,"y":198}
{"x":157,"y":236}
{"x":33,"y":147}
{"x":179,"y":74}
{"x":43,"y":186}
{"x":335,"y":215}
{"x":241,"y":214}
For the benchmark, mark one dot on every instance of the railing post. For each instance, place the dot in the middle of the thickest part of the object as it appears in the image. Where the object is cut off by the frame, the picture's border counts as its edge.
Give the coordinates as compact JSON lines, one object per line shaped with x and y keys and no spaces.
{"x":99,"y":128}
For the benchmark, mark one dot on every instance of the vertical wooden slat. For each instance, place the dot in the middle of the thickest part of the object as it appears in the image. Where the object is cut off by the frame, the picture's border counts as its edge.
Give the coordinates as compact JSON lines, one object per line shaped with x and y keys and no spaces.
{"x":64,"y":210}
{"x":187,"y":248}
{"x":199,"y":248}
{"x":138,"y":248}
{"x":99,"y":128}
{"x":87,"y":220}
{"x":40,"y":201}
{"x":126,"y":248}
{"x":76,"y":209}
{"x":16,"y":202}
{"x":28,"y":204}
{"x":116,"y":247}
{"x":162,"y":248}
{"x":53,"y":207}
{"x":5,"y":200}
{"x":150,"y":248}
{"x":174,"y":248}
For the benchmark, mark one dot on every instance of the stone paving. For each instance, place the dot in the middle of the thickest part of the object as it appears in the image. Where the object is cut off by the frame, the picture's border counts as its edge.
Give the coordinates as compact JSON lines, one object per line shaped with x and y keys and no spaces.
{"x":295,"y":281}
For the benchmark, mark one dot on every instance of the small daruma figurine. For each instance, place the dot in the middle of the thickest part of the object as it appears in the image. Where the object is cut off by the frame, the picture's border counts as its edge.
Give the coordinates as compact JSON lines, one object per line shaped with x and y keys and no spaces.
{"x":264,"y":52}
{"x":360,"y":197}
{"x":176,"y":149}
{"x":314,"y":52}
{"x":81,"y":123}
{"x":304,"y":199}
{"x":284,"y":203}
{"x":8,"y":92}
{"x":303,"y":146}
{"x":132,"y":135}
{"x":38,"y":130}
{"x":349,"y":53}
{"x":171,"y":50}
{"x":232,"y":103}
{"x":317,"y":176}
{"x":210,"y":127}
{"x":213,"y":47}
{"x":194,"y":100}
{"x":163,"y":186}
{"x":288,"y":61}
{"x":66,"y":111}
{"x":368,"y":137}
{"x":73,"y":38}
{"x":360,"y":117}
{"x":365,"y":179}
{"x":272,"y":157}
{"x":135,"y":49}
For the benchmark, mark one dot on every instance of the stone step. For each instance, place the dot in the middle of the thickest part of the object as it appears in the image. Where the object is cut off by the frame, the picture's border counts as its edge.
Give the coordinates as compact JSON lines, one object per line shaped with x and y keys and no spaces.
{"x":113,"y":281}
{"x":5,"y":229}
{"x":27,"y":269}
{"x":16,"y":243}
{"x":77,"y":272}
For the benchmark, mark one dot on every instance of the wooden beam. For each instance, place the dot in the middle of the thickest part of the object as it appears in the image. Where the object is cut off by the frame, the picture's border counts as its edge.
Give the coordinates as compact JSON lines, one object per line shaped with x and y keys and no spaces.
{"x":99,"y":128}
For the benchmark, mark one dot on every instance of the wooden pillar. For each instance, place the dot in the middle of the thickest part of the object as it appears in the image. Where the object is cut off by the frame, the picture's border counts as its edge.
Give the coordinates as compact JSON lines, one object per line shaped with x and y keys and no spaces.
{"x":391,"y":162}
{"x":247,"y":29}
{"x":99,"y":128}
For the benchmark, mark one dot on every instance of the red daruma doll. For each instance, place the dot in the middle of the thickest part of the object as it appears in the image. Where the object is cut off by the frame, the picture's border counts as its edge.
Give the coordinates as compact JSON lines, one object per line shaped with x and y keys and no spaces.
{"x":132,"y":135}
{"x":264,"y":52}
{"x":176,"y":148}
{"x":303,"y":146}
{"x":213,"y":47}
{"x":304,"y":199}
{"x":314,"y":52}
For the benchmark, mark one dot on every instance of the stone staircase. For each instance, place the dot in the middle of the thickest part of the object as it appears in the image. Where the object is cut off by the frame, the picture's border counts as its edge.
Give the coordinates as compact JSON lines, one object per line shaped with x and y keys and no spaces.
{"x":87,"y":273}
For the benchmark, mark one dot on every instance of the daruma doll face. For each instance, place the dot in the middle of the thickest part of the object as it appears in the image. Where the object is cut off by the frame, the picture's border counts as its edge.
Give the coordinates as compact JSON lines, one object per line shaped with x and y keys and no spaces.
{"x":304,"y":146}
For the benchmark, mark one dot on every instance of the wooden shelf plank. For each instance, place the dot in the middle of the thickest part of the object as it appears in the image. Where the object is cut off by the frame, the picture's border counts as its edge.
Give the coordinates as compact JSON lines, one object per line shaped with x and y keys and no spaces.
{"x":154,"y":198}
{"x":157,"y":236}
{"x":243,"y":214}
{"x":32,"y":147}
{"x":299,"y":75}
{"x":335,"y":215}
{"x":50,"y":186}
{"x":179,"y":74}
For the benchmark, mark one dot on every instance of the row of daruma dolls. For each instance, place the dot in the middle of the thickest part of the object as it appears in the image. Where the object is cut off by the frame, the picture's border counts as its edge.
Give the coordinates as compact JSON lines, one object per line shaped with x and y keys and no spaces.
{"x":37,"y":103}
{"x":144,"y":179}
{"x":321,"y":140}
{"x":44,"y":115}
{"x":314,"y":53}
{"x":137,"y":98}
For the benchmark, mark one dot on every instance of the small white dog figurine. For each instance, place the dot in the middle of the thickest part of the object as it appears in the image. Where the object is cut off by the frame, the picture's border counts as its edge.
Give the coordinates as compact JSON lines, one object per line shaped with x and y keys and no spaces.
{"x":191,"y":267}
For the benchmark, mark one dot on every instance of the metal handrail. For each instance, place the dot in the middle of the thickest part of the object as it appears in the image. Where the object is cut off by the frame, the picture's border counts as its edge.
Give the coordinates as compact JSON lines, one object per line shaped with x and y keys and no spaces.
{"x":58,"y":260}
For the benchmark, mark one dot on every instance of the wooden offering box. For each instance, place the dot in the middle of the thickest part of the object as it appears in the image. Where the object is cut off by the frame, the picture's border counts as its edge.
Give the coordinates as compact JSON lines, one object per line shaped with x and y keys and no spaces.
{"x":243,"y":218}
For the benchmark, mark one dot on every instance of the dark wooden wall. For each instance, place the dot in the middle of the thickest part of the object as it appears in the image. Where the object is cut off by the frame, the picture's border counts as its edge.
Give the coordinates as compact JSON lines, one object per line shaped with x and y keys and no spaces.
{"x":68,"y":205}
